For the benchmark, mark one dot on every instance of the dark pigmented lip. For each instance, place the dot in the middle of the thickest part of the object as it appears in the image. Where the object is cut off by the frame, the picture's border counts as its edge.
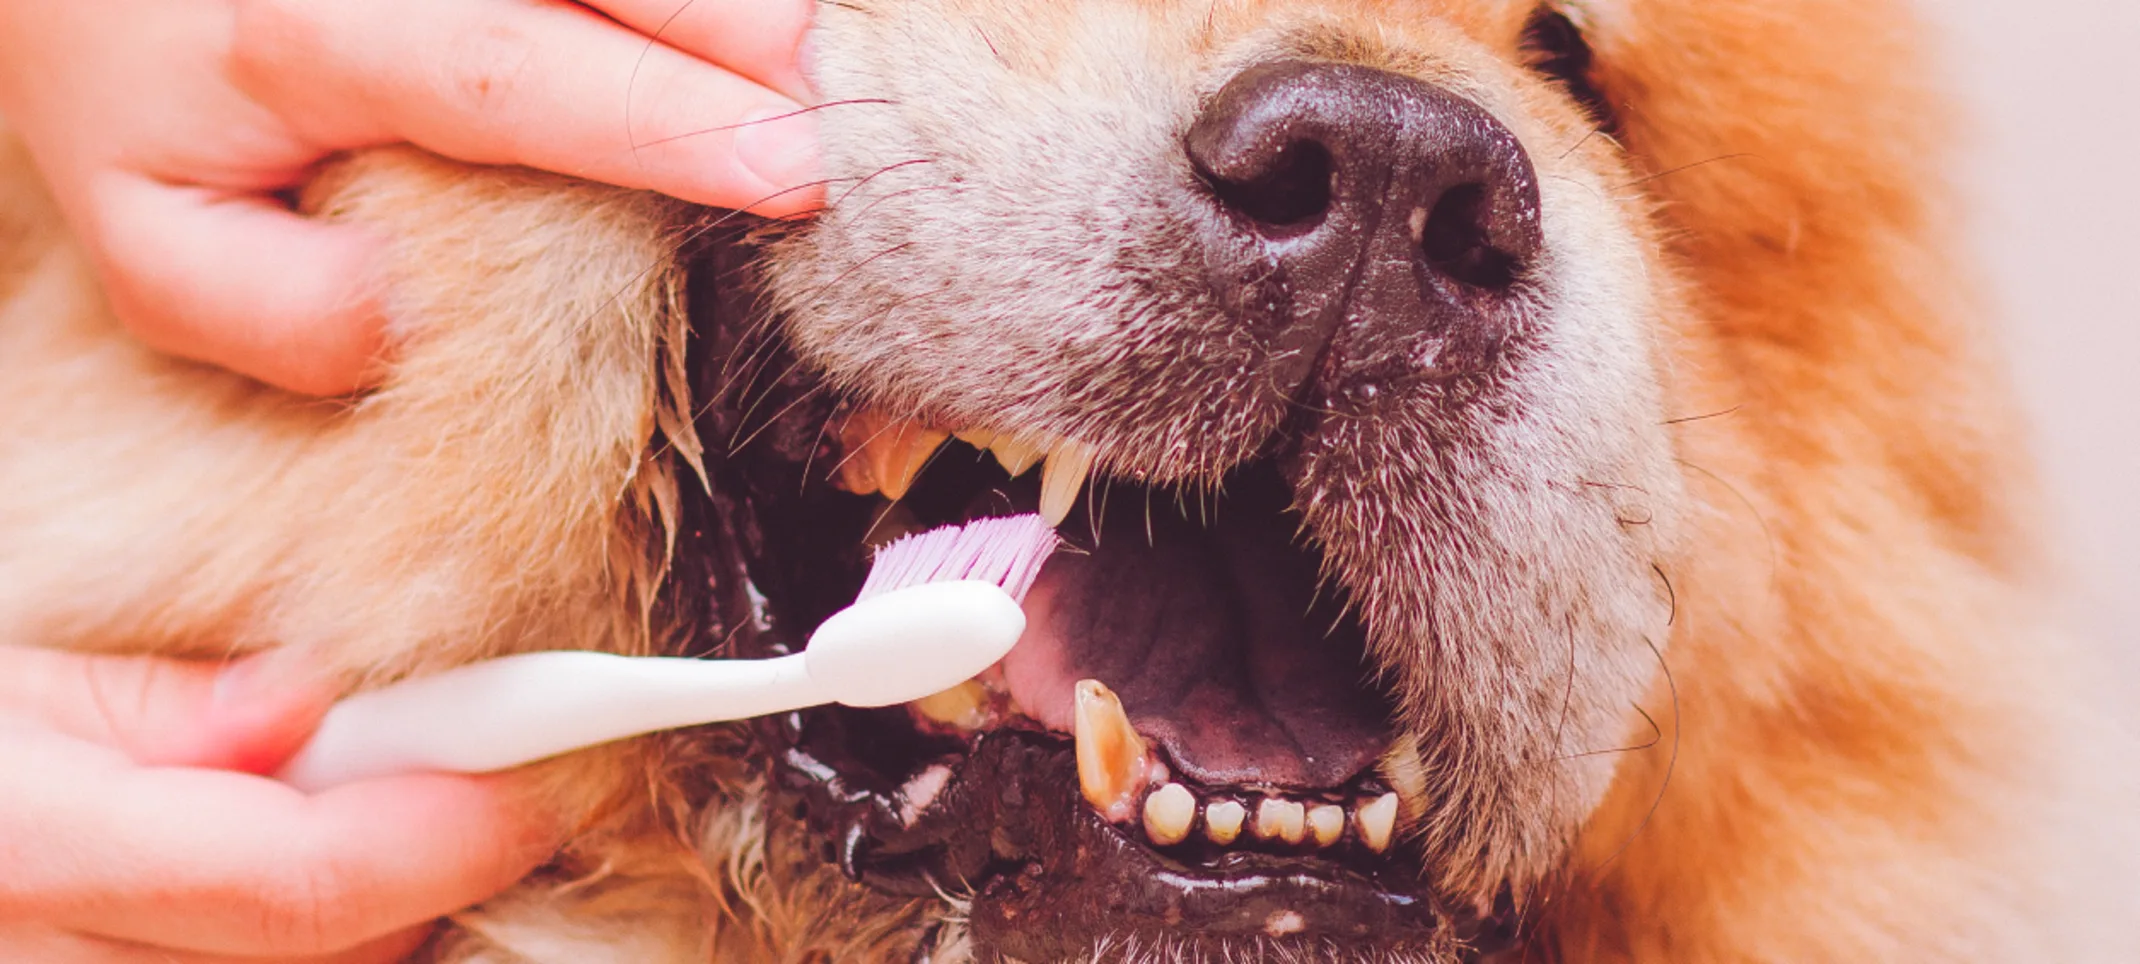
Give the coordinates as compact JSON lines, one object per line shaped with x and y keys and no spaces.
{"x":1048,"y":878}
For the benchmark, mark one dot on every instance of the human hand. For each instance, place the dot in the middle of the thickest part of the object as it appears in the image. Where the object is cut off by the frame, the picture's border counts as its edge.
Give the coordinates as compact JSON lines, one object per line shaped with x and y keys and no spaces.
{"x":131,"y":830}
{"x":166,"y":127}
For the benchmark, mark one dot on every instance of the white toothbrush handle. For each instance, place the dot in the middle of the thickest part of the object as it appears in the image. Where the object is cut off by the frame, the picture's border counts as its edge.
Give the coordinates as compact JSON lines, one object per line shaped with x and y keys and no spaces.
{"x":505,"y":712}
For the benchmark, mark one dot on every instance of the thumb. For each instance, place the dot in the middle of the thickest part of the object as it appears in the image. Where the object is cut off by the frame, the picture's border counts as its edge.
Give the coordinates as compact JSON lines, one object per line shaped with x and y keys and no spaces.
{"x":248,"y":716}
{"x":237,"y":280}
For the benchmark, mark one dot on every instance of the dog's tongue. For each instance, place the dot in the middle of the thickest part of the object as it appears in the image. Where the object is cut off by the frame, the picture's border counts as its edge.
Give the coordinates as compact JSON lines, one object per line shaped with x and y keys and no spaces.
{"x":1216,"y":642}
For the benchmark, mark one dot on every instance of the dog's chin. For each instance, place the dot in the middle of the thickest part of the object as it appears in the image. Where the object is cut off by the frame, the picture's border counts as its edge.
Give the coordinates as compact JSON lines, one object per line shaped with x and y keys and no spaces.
{"x":1252,"y":810}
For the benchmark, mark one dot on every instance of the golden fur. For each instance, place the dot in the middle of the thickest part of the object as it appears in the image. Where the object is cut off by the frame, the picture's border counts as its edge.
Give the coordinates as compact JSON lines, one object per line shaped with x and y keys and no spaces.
{"x":1871,"y":743}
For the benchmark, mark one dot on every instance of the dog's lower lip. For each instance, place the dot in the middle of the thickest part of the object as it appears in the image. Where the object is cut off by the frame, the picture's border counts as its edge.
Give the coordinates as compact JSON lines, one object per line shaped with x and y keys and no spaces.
{"x":1007,"y":828}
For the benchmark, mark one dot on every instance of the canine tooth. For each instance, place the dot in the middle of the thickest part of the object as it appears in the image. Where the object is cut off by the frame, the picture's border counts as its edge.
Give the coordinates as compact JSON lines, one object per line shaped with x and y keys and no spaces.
{"x":858,"y":460}
{"x":1062,"y":478}
{"x":900,"y":453}
{"x":979,"y":438}
{"x":1168,"y":812}
{"x":882,"y":454}
{"x":1111,"y":758}
{"x":1015,"y":454}
{"x":964,"y":706}
{"x":1377,"y":821}
{"x":1222,"y":822}
{"x":1404,"y":768}
{"x":1284,"y":820}
{"x":1326,"y":822}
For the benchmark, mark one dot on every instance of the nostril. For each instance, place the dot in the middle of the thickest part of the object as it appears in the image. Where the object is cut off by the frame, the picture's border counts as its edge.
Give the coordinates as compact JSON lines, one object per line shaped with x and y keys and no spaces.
{"x":1455,"y":239}
{"x":1288,"y":195}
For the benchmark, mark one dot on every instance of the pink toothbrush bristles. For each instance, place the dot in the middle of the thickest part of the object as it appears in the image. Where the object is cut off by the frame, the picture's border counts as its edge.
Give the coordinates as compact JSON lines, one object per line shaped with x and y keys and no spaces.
{"x":1007,"y":551}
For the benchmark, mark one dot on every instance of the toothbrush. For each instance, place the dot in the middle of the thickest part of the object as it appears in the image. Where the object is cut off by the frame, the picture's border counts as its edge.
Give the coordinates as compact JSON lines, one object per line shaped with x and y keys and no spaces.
{"x":937,"y":609}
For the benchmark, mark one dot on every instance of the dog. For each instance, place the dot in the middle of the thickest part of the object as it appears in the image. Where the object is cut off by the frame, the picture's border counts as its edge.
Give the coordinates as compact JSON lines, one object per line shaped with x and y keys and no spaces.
{"x":1538,"y":486}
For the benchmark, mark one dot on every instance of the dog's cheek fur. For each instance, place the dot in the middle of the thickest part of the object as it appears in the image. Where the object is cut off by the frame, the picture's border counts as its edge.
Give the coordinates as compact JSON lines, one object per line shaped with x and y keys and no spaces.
{"x":496,"y":495}
{"x":385,"y":535}
{"x":1509,"y":543}
{"x":1867,"y":739}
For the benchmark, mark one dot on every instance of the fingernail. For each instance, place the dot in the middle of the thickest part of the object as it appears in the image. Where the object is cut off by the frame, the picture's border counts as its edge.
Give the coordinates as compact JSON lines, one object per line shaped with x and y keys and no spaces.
{"x":779,"y":146}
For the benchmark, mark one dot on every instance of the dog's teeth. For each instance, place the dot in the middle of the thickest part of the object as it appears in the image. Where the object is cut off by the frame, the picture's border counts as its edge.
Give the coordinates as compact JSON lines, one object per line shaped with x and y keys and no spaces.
{"x":1168,"y":812}
{"x":1222,"y":822}
{"x":1326,"y":823}
{"x":1404,"y":768}
{"x":883,"y":454}
{"x":965,"y":706}
{"x":900,"y":453}
{"x":1112,"y":765}
{"x":1016,"y":455}
{"x":1377,"y":822}
{"x":1284,"y":820}
{"x":979,"y":438}
{"x":1062,"y":478}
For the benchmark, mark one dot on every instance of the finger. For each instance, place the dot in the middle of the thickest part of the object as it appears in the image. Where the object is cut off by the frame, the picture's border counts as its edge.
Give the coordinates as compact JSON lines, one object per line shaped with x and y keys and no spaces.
{"x":224,"y":863}
{"x":47,"y":946}
{"x":240,"y":282}
{"x":553,"y":86}
{"x":759,"y":39}
{"x":250,"y":717}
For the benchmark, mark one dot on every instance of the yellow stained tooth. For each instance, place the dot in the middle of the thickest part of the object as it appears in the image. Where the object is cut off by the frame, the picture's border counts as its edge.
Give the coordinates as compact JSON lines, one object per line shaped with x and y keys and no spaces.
{"x":1112,"y":764}
{"x":881,"y":454}
{"x":1168,"y":813}
{"x":1326,"y":822}
{"x":979,"y":438}
{"x":965,"y":706}
{"x":1062,"y":479}
{"x":1404,"y":768}
{"x":1222,"y":822}
{"x":901,"y":452}
{"x":1284,"y":820}
{"x":1014,"y":454}
{"x":1377,"y":822}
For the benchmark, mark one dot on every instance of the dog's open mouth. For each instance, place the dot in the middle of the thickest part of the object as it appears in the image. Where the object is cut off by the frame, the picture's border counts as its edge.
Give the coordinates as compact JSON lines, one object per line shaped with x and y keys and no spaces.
{"x":1187,"y":740}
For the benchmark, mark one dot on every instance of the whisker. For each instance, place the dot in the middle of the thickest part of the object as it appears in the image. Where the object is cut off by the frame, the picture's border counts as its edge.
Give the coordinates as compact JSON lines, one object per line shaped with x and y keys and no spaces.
{"x":1670,"y":765}
{"x":1656,"y":735}
{"x":1682,"y":420}
{"x":1572,"y":148}
{"x":858,"y":185}
{"x":851,"y":102}
{"x":1689,"y":167}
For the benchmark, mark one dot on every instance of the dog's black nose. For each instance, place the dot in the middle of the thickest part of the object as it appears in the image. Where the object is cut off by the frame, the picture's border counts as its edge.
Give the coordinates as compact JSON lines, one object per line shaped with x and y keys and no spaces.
{"x":1381,"y":225}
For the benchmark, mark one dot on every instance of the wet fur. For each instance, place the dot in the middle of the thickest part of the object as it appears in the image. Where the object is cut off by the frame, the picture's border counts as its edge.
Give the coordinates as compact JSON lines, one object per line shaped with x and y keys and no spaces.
{"x":1736,"y":644}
